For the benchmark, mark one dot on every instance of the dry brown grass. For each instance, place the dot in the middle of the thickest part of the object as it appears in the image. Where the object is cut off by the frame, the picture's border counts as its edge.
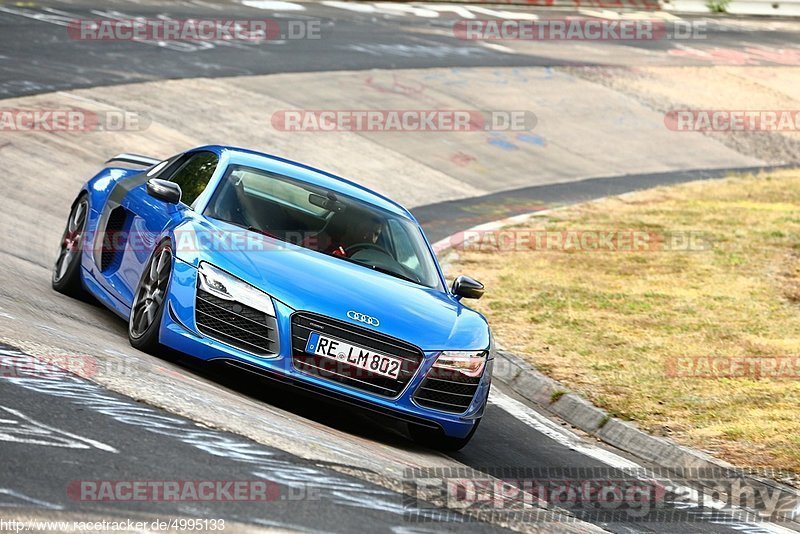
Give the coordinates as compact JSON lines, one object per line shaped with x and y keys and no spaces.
{"x":606,"y":324}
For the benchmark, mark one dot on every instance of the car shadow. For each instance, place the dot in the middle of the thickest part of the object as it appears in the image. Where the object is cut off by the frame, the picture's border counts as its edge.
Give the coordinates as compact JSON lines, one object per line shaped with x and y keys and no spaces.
{"x":329,"y":412}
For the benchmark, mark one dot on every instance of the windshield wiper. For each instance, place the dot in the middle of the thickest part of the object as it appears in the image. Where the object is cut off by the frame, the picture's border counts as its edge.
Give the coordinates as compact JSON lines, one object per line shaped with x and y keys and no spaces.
{"x":259,"y":231}
{"x":396,"y":274}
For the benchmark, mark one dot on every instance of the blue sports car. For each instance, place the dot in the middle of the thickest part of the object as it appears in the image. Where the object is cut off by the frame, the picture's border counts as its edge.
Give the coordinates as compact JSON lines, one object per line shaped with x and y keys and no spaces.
{"x":288,"y":272}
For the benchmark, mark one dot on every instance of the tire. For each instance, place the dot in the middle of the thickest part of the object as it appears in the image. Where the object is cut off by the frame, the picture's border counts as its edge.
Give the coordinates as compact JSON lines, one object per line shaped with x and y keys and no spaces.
{"x":66,"y":277}
{"x":144,"y":323}
{"x":435,"y":439}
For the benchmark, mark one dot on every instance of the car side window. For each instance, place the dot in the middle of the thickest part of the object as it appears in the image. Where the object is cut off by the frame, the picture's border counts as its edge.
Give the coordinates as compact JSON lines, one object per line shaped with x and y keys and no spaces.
{"x":166,"y":168}
{"x":193,"y":175}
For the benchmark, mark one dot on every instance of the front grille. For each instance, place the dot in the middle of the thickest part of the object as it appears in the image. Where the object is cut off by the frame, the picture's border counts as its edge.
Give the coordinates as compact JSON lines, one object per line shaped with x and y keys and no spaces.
{"x":236,"y":324}
{"x":447,"y":391}
{"x":305,"y":323}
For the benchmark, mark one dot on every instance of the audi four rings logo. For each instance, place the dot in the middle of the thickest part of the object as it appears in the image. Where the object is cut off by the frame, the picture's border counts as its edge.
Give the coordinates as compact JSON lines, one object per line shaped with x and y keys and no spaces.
{"x":361,"y":318}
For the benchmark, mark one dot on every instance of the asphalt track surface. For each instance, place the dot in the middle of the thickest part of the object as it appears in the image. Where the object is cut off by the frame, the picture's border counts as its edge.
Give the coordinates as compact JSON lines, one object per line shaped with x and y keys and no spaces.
{"x":78,"y":432}
{"x":38,"y":56}
{"x":159,"y":446}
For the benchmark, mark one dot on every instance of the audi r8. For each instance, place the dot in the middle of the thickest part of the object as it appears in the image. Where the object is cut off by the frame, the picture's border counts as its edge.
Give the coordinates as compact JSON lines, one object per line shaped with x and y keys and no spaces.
{"x":287,"y":271}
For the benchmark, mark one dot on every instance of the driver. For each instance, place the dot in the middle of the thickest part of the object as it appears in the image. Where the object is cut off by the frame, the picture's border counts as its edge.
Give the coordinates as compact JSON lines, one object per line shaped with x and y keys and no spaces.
{"x":365,"y":230}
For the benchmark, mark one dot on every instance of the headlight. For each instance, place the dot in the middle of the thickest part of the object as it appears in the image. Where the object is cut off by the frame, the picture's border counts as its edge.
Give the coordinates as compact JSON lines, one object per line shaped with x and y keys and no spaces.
{"x":222,"y":285}
{"x":468,"y":363}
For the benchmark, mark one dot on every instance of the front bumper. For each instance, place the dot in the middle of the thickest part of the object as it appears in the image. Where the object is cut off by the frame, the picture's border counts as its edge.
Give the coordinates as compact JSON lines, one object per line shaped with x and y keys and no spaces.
{"x":179,"y":331}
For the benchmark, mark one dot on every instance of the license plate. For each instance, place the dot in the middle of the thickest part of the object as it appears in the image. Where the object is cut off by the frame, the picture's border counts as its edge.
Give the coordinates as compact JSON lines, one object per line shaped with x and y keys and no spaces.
{"x":342,"y":351}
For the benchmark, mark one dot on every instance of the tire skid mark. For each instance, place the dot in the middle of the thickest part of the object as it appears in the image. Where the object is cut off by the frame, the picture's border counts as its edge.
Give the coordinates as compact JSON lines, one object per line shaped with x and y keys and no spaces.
{"x":267,"y":464}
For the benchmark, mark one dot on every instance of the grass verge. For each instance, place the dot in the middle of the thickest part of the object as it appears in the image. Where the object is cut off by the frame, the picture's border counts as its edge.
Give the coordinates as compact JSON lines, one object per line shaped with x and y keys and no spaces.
{"x":700,"y":343}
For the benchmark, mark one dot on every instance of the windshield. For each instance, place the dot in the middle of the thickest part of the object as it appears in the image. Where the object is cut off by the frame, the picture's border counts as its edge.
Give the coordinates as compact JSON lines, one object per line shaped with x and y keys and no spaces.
{"x":325,"y":221}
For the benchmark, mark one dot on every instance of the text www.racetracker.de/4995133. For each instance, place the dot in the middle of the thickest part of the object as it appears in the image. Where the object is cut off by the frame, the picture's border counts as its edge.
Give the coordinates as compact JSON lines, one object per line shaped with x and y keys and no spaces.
{"x":120,"y":525}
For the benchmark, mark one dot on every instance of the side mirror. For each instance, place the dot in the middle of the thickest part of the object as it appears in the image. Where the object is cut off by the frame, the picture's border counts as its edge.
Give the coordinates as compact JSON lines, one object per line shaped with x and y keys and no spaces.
{"x":164,"y":190}
{"x":468,"y":288}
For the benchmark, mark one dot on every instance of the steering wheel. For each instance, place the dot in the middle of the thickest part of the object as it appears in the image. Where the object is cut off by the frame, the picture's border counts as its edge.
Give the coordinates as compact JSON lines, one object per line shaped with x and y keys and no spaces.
{"x":352,"y":249}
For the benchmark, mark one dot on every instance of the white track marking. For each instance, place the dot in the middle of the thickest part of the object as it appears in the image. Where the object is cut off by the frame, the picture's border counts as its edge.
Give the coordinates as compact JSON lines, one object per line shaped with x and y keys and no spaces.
{"x":498,"y":47}
{"x":58,"y":20}
{"x":630,"y":15}
{"x":209,"y":5}
{"x":430,"y":11}
{"x":554,"y":431}
{"x":33,"y":433}
{"x":281,"y":527}
{"x":501,"y":14}
{"x":27,"y":500}
{"x":461,"y":11}
{"x":274,"y":5}
{"x":402,"y":9}
{"x":350,"y":6}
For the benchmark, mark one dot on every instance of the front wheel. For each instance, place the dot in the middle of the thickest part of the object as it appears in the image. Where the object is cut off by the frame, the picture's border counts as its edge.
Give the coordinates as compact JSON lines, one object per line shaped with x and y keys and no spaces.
{"x":144,"y":323}
{"x":67,"y":270}
{"x":435,"y":439}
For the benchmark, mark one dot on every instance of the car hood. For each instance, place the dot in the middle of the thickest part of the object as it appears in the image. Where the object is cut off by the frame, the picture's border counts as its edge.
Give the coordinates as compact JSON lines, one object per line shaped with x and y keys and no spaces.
{"x":310,"y":281}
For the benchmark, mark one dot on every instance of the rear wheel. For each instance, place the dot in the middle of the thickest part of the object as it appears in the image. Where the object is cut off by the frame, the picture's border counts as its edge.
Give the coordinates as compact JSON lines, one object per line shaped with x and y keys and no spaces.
{"x":149,"y":302}
{"x":67,"y":270}
{"x":435,"y":439}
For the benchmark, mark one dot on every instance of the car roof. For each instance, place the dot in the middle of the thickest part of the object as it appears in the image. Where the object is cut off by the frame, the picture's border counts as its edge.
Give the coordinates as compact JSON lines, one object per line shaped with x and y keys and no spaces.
{"x":306,"y":173}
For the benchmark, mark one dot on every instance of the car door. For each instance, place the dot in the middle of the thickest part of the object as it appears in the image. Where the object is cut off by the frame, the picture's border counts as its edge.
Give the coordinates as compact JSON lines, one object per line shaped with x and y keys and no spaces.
{"x":151,"y":217}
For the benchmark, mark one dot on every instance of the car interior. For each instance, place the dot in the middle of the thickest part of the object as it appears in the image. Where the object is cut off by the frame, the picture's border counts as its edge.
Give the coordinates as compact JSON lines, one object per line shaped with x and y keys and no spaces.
{"x":309,"y":217}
